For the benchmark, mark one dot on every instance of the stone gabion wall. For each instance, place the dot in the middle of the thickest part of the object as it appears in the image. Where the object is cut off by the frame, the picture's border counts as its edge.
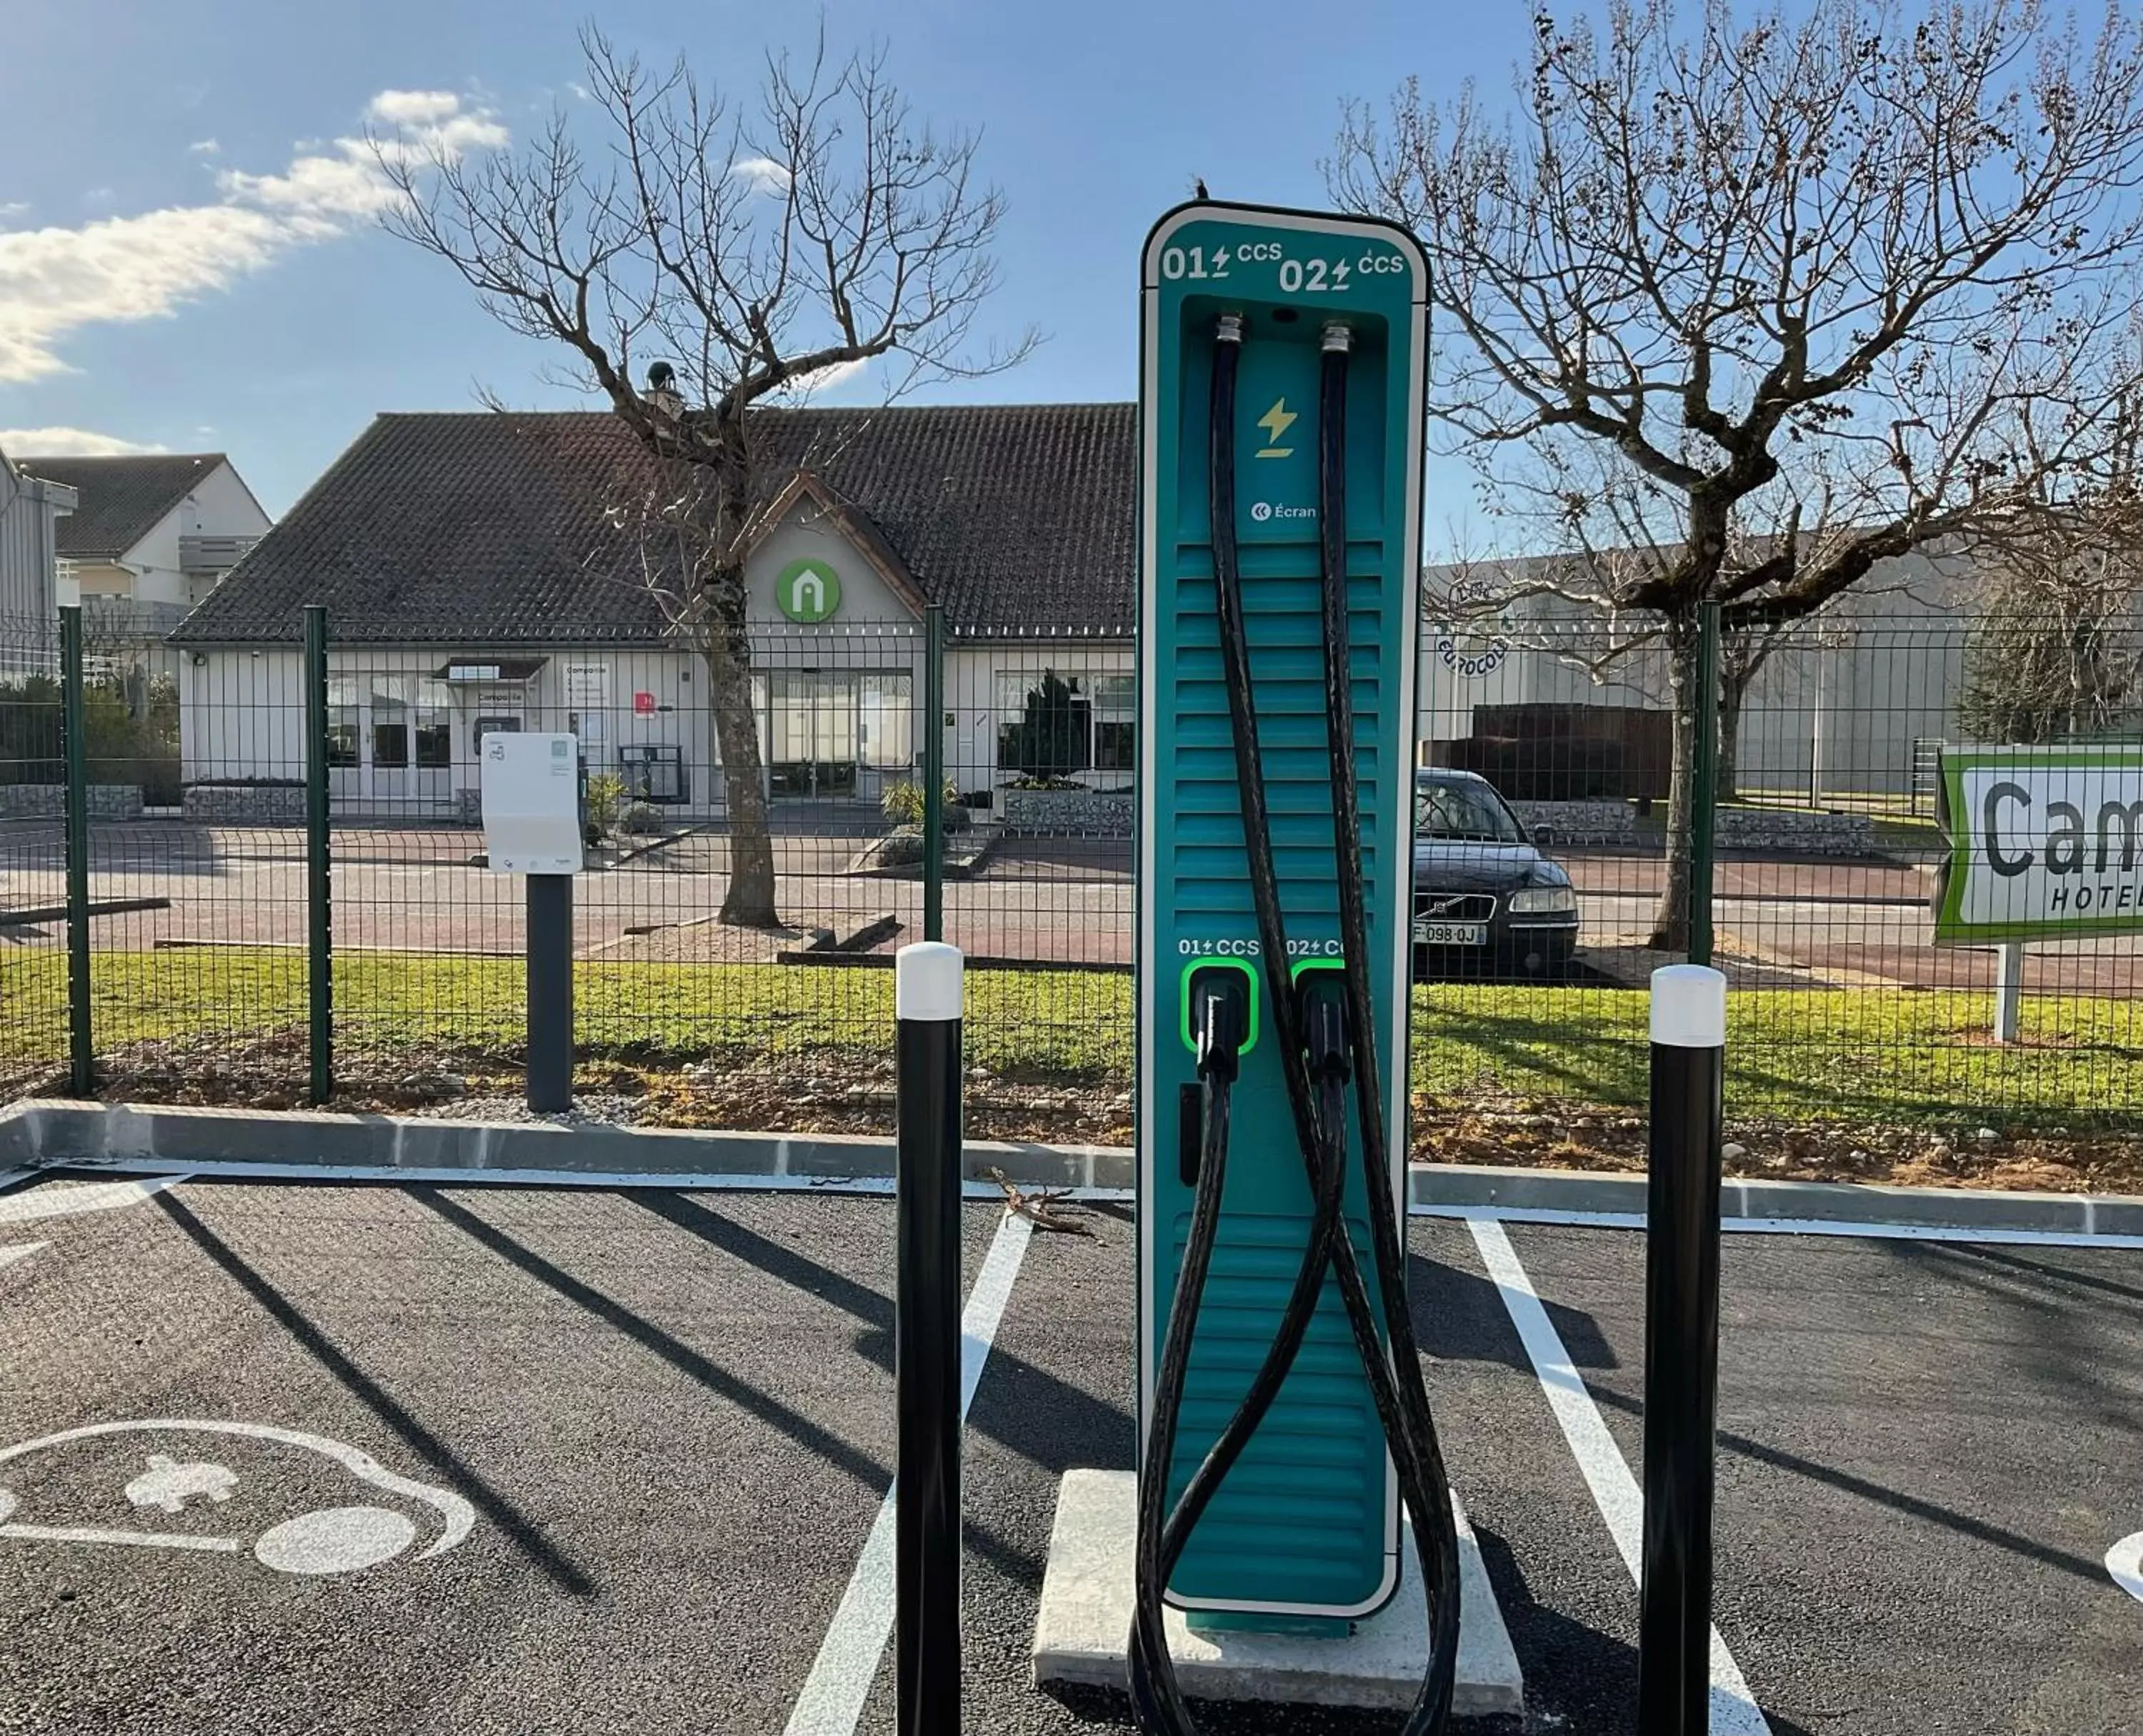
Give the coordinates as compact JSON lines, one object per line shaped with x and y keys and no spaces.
{"x":1843,"y":835}
{"x":279,"y":804}
{"x":1580,"y":822}
{"x":48,"y":801}
{"x":1045,"y":811}
{"x":1741,"y":828}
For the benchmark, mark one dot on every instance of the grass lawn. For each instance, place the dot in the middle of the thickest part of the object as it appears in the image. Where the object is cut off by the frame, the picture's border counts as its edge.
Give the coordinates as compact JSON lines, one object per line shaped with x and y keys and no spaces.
{"x":1798,"y":1055}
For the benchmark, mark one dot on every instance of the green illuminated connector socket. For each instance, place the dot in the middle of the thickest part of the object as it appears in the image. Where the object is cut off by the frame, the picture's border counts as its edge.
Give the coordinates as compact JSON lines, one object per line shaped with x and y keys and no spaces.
{"x":1191,"y":972}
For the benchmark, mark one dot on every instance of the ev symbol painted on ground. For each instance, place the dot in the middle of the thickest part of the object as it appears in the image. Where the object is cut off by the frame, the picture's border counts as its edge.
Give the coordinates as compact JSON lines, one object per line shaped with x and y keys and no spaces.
{"x":180,"y":1487}
{"x":2124,"y":1562}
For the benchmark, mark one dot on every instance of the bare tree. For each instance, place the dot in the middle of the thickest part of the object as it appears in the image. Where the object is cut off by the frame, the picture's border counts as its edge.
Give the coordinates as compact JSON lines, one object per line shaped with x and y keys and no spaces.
{"x":1741,"y":310}
{"x":747,"y":257}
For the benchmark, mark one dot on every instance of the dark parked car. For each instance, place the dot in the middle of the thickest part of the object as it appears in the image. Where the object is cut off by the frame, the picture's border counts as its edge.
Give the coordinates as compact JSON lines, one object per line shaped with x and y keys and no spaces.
{"x":1485,"y":899}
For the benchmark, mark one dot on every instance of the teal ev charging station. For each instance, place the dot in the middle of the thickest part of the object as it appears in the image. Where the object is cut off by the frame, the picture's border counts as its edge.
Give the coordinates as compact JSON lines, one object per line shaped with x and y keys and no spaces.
{"x":1281,"y":408}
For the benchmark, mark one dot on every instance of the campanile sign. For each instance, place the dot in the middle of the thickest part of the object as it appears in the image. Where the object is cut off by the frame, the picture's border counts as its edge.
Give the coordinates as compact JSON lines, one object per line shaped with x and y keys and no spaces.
{"x":807,"y":591}
{"x":2045,"y":842}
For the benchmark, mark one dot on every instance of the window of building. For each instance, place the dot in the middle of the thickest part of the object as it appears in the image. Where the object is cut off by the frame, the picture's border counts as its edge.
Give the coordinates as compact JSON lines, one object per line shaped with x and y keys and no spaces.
{"x":435,"y":726}
{"x":886,"y":721}
{"x":390,"y":723}
{"x":342,"y":722}
{"x":1059,"y":723}
{"x":412,"y":723}
{"x":1116,"y":722}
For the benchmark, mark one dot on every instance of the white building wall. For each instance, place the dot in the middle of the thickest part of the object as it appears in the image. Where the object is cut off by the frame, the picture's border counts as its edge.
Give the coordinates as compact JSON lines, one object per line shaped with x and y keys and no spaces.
{"x":30,"y":590}
{"x":1838,"y":708}
{"x":241,"y":716}
{"x":218,"y":505}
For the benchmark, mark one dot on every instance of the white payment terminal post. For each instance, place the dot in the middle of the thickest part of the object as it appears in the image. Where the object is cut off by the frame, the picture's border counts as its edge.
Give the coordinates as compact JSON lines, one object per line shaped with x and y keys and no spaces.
{"x":531,"y":803}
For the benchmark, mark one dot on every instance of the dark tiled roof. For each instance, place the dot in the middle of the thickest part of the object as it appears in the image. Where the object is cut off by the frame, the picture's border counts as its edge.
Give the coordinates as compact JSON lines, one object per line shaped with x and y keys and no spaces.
{"x":121,"y":499}
{"x":490,"y":528}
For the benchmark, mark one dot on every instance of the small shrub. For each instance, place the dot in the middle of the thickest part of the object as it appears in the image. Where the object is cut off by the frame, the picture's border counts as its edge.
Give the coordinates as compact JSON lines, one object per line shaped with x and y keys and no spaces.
{"x":606,"y":803}
{"x":903,"y":803}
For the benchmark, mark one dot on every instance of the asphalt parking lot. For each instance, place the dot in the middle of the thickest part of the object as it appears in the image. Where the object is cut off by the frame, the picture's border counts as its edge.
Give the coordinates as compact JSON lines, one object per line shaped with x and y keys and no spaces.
{"x":472,"y":1460}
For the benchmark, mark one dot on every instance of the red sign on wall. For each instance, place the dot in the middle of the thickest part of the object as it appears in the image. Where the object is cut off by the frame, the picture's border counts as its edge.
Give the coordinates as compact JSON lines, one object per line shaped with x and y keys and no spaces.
{"x":643,"y":702}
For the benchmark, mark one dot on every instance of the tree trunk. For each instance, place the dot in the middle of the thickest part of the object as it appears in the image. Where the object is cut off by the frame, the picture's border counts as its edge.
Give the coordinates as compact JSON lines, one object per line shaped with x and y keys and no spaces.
{"x":1671,"y":921}
{"x":1734,"y":686}
{"x":748,"y":902}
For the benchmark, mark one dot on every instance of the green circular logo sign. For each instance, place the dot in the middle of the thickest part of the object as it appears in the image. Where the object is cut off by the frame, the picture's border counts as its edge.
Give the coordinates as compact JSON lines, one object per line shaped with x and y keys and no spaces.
{"x":808,"y":590}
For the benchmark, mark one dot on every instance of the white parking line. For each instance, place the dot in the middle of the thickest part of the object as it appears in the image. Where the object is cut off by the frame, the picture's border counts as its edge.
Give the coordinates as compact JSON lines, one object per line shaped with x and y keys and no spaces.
{"x":64,"y":1199}
{"x":1733,"y":1710}
{"x":841,"y":1675}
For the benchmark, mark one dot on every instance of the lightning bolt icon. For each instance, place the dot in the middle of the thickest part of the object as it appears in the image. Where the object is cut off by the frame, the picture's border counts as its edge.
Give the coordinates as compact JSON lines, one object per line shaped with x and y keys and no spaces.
{"x":1276,"y":421}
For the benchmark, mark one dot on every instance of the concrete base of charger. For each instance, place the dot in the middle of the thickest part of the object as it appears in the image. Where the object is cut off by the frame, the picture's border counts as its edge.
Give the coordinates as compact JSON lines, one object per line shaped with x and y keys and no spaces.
{"x":1080,"y":1636}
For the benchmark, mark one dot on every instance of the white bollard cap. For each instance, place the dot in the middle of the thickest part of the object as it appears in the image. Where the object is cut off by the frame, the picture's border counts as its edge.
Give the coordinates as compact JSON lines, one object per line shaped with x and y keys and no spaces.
{"x":1689,"y":1006}
{"x":927,"y":981}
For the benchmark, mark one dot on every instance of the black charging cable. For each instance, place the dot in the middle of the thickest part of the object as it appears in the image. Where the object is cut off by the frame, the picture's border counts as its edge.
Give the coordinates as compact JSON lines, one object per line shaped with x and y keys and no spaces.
{"x":1428,"y":1499}
{"x":1314,"y":1035}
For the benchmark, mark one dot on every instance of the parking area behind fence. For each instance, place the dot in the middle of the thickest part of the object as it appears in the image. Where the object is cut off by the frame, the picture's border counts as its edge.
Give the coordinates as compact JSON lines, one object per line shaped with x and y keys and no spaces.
{"x":226,"y":930}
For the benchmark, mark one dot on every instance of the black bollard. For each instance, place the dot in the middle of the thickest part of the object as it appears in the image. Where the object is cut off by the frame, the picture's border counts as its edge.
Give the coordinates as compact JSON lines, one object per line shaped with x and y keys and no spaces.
{"x":1681,"y":1349}
{"x":926,"y":996}
{"x":550,"y":993}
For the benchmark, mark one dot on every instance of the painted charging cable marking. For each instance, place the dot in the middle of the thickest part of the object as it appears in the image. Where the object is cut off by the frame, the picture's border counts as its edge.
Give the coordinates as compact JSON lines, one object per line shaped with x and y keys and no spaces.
{"x":2124,"y":1562}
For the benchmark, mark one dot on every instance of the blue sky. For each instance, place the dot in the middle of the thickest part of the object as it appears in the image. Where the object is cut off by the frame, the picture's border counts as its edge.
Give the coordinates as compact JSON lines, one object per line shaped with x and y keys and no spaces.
{"x":187,"y":262}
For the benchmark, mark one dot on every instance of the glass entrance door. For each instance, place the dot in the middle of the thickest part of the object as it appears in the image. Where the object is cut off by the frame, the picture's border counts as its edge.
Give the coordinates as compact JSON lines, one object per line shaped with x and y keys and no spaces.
{"x":811,"y":734}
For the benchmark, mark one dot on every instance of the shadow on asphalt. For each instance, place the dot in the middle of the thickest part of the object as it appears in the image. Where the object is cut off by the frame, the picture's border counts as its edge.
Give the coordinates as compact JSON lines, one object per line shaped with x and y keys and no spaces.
{"x":1605,"y":1667}
{"x":1459,"y":1317}
{"x":1008,"y":1557}
{"x":681,"y":1356}
{"x":1046,"y":1426}
{"x":1963,"y":1253}
{"x":527,"y":1536}
{"x":1947,"y":1518}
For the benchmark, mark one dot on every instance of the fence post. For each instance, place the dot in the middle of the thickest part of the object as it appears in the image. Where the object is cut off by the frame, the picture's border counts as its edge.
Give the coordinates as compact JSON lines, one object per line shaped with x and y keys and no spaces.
{"x":1703,"y":794}
{"x":926,"y":1340}
{"x":81,"y":1045}
{"x":1681,"y":1349}
{"x":2009,"y":990}
{"x":934,"y":773}
{"x":319,"y":910}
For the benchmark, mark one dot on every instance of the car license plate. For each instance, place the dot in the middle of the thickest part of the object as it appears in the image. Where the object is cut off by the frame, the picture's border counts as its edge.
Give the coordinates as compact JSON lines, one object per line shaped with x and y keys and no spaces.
{"x":1451,"y":934}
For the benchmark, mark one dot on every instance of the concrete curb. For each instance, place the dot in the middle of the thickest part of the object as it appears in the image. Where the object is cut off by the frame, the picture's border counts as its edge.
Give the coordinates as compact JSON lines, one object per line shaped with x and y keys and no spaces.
{"x":54,"y":1133}
{"x":88,"y":1135}
{"x":1460,"y":1185}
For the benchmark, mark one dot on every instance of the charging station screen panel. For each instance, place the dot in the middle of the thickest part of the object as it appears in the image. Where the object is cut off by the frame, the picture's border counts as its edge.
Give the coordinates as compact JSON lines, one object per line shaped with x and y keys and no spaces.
{"x":1307,"y":1522}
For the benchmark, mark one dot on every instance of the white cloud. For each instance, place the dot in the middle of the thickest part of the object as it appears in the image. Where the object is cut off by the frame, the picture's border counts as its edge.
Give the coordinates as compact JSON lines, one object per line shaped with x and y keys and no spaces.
{"x":580,"y":93}
{"x":67,"y":443}
{"x":55,"y":281}
{"x":765,"y":174}
{"x":206,"y":147}
{"x":414,"y":109}
{"x":826,"y":378}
